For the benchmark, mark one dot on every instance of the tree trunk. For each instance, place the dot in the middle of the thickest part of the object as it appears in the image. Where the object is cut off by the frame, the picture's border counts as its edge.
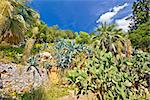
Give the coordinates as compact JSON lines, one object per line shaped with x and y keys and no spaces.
{"x":27,"y":50}
{"x":129,"y":49}
{"x":29,"y":46}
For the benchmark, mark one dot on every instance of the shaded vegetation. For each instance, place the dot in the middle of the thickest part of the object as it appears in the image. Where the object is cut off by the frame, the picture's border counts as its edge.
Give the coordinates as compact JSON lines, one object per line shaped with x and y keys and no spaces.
{"x":140,"y":30}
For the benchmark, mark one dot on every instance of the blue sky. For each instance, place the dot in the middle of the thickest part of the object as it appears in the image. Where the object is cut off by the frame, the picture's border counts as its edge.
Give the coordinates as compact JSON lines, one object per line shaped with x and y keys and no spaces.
{"x":79,"y":15}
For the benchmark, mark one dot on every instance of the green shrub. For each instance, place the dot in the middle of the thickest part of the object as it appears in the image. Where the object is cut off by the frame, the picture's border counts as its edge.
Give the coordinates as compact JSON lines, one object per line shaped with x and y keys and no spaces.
{"x":110,"y":78}
{"x":37,"y":94}
{"x":53,"y":92}
{"x":13,"y":53}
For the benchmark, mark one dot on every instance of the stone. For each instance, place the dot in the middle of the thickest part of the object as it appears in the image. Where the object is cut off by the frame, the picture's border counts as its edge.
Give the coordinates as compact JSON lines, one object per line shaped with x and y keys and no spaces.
{"x":1,"y":84}
{"x":19,"y":82}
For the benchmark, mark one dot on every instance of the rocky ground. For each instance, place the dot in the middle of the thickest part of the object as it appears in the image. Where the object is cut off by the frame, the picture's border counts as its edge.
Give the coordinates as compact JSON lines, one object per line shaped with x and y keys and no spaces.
{"x":16,"y":78}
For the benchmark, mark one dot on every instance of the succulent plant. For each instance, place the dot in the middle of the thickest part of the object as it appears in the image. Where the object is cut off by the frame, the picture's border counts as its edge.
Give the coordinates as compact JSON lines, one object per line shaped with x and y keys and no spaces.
{"x":111,"y":79}
{"x":65,"y":51}
{"x":33,"y":63}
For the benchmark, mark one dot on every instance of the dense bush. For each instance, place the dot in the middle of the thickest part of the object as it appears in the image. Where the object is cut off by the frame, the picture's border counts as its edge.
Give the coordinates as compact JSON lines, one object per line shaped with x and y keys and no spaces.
{"x":113,"y":78}
{"x":13,"y":54}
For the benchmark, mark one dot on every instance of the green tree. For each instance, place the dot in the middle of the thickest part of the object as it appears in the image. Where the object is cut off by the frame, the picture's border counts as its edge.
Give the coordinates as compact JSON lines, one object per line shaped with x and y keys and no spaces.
{"x":140,"y":13}
{"x":111,"y":39}
{"x":140,"y":30}
{"x":140,"y":37}
{"x":83,"y":38}
{"x":106,"y":37}
{"x":50,"y":34}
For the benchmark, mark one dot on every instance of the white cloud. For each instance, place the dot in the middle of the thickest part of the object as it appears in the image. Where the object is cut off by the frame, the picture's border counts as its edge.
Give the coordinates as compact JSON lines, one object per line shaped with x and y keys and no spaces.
{"x":123,"y":23}
{"x":107,"y":17}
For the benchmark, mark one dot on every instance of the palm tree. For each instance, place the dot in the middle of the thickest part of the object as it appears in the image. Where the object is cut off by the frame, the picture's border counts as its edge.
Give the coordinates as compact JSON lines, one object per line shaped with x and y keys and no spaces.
{"x":12,"y":26}
{"x":109,"y":38}
{"x":15,"y":18}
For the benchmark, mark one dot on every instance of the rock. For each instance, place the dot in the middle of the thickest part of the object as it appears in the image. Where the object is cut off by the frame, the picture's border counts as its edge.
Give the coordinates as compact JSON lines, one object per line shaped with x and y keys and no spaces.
{"x":45,"y":54}
{"x":19,"y":82}
{"x":1,"y":84}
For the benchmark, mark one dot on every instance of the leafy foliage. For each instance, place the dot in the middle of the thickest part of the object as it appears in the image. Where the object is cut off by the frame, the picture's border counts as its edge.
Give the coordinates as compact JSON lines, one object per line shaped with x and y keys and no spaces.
{"x":109,"y":38}
{"x":109,"y":70}
{"x":110,"y":78}
{"x":13,"y":54}
{"x":140,"y":31}
{"x":50,"y":34}
{"x":83,"y":38}
{"x":34,"y":63}
{"x":140,"y":37}
{"x":140,"y":13}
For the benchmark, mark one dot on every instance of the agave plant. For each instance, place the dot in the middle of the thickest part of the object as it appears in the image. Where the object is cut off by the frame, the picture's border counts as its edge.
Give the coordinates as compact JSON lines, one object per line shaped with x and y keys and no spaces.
{"x":34,"y":64}
{"x":65,"y":51}
{"x":42,"y":60}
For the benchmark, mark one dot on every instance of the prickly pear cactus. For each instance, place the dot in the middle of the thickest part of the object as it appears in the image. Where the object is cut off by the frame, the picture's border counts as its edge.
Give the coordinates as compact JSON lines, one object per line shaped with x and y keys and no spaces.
{"x":113,"y":79}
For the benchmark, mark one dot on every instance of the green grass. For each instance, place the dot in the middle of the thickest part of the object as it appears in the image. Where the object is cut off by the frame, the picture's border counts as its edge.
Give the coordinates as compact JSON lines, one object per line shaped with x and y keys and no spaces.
{"x":45,"y":93}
